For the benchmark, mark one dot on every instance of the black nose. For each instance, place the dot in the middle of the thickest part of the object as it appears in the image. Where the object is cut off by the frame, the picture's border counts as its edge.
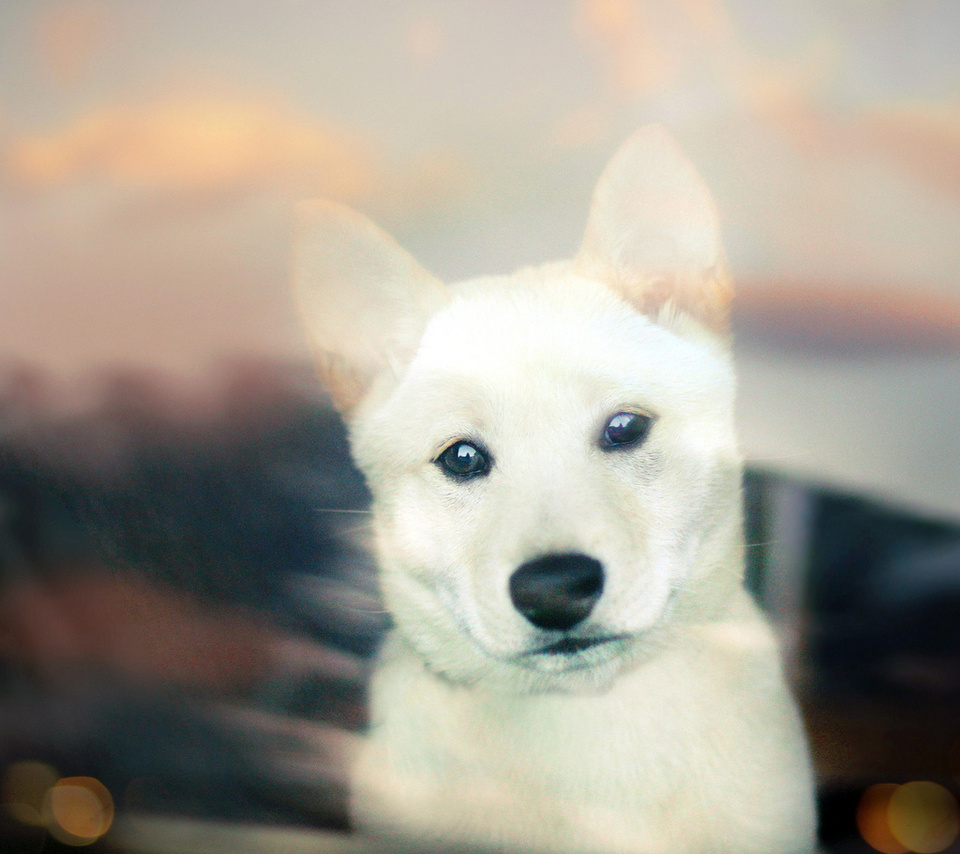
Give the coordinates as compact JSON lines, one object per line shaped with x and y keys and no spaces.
{"x":557,"y":591}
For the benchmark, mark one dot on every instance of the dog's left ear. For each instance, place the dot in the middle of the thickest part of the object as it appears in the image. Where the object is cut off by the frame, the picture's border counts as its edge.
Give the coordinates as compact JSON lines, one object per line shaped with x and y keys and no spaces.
{"x":364,"y":300}
{"x":653,"y":234}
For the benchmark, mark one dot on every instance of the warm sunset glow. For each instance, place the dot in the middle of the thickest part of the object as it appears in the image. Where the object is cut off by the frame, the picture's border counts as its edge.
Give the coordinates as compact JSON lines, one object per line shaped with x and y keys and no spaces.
{"x":186,"y":144}
{"x":69,"y":36}
{"x":637,"y":61}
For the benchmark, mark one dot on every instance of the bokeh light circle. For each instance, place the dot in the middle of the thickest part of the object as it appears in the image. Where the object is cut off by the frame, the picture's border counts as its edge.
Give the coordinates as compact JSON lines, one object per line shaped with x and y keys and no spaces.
{"x":924,"y":817}
{"x":79,"y":810}
{"x":873,"y":819}
{"x":24,"y":787}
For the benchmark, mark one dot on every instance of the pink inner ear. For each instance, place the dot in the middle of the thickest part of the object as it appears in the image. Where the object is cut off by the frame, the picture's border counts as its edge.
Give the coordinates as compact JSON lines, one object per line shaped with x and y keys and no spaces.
{"x":704,"y":296}
{"x":710,"y":300}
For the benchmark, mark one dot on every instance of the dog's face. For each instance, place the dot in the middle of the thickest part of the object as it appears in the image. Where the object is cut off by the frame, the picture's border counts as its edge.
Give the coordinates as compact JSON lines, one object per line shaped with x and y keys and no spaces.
{"x":552,"y":455}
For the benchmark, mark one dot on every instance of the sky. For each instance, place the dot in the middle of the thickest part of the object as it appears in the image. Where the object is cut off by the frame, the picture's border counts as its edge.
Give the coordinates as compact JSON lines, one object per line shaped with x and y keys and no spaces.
{"x":151,"y":152}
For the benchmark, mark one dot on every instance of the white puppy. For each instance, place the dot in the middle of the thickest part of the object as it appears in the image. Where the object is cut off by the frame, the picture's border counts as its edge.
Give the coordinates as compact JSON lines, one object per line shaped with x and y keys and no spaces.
{"x":575,"y":665}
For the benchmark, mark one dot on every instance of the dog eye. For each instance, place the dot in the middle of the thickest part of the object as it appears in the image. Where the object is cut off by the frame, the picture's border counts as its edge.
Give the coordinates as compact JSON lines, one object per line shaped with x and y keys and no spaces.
{"x":464,"y":460}
{"x":625,"y":428}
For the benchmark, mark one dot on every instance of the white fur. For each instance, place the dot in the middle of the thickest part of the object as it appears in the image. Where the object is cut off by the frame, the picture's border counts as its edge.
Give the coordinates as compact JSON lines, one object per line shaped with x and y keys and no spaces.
{"x":678,"y":736}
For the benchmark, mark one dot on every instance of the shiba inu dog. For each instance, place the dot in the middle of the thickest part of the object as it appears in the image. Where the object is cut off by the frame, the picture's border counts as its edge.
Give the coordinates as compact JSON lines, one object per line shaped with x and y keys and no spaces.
{"x":574,"y":664}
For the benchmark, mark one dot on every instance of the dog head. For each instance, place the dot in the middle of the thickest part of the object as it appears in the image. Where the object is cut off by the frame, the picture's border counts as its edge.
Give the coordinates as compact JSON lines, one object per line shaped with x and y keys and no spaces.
{"x":552,"y":456}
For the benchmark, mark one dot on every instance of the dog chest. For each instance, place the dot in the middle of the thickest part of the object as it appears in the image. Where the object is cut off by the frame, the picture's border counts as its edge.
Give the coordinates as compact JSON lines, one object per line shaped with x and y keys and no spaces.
{"x":675,"y":744}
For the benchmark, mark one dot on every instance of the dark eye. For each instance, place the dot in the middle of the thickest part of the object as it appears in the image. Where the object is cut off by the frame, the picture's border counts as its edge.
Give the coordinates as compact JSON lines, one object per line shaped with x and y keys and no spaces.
{"x":464,"y":460}
{"x":625,"y":428}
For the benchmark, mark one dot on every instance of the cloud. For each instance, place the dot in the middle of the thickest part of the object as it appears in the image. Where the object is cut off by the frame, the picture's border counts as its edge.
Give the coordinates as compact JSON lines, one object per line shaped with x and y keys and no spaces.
{"x":923,"y":140}
{"x":69,"y":36}
{"x":645,"y":46}
{"x":635,"y":60}
{"x":190,"y":144}
{"x":844,"y":319}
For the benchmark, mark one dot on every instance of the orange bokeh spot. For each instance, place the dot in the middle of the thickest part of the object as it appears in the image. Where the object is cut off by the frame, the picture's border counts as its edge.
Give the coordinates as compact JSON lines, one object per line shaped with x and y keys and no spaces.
{"x":872,"y":820}
{"x":80,"y":810}
{"x":920,"y":817}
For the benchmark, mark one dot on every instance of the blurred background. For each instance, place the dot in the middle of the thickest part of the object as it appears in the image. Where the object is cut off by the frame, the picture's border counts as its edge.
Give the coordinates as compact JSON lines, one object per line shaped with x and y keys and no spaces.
{"x":186,"y":607}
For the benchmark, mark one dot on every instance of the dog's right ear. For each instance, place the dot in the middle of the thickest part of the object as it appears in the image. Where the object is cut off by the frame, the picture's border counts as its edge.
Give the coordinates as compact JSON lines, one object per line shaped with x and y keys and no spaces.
{"x":653,"y":234}
{"x":364,"y":300}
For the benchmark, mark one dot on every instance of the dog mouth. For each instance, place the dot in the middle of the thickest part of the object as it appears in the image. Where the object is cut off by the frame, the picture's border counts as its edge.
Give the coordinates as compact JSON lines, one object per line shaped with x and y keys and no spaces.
{"x":573,"y":646}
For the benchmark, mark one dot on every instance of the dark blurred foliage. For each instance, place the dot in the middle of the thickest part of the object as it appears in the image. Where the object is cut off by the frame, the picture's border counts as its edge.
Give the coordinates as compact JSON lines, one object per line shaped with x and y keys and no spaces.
{"x":878,"y":629}
{"x":886,"y":594}
{"x":227,"y":505}
{"x":185,"y":601}
{"x":880,"y":589}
